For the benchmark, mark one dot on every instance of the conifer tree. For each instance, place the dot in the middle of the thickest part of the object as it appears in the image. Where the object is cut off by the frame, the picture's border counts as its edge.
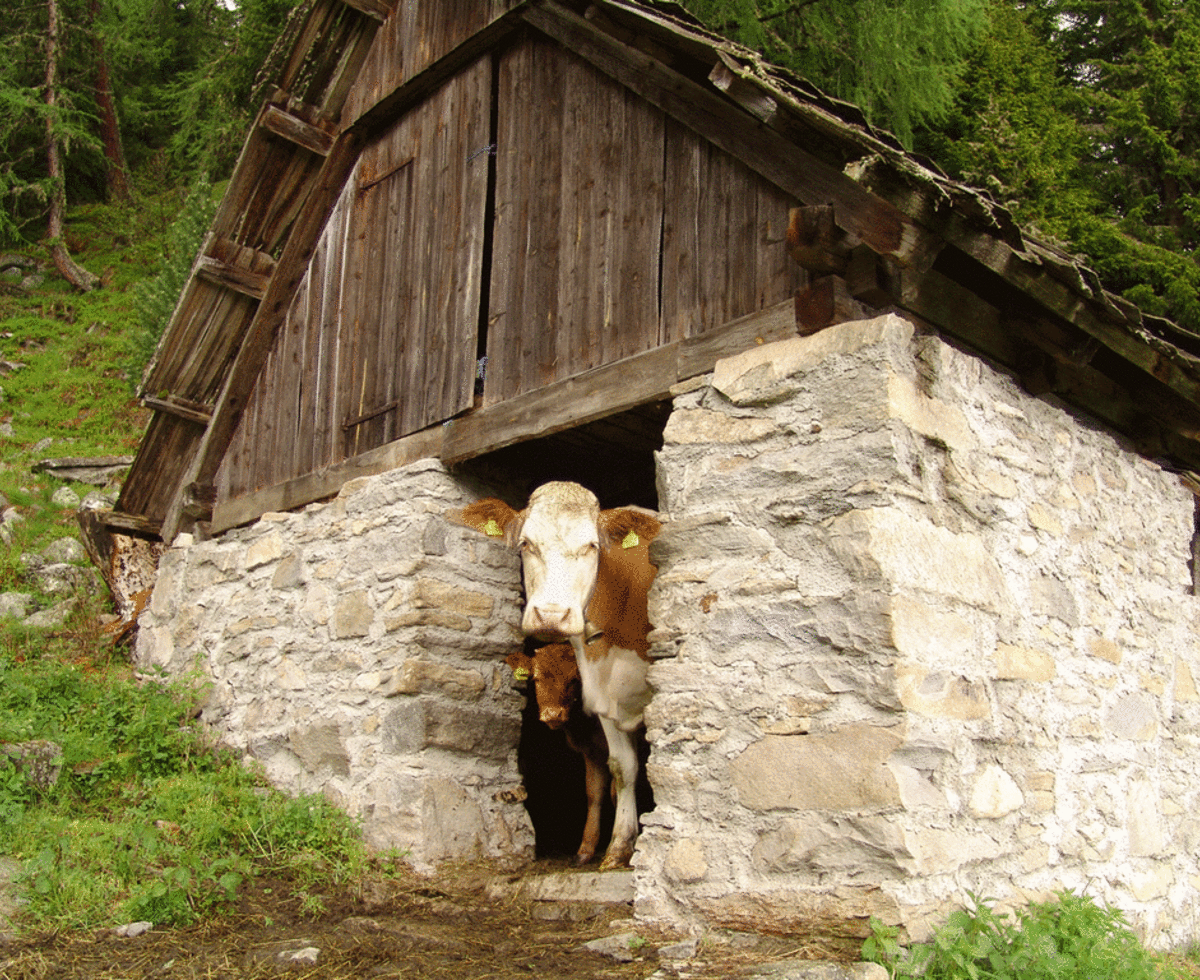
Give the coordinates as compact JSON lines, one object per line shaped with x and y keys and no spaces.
{"x":898,"y":60}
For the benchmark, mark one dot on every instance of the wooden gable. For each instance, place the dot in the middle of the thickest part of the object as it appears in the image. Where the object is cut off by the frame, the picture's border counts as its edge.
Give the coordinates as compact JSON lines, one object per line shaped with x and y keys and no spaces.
{"x":592,"y":226}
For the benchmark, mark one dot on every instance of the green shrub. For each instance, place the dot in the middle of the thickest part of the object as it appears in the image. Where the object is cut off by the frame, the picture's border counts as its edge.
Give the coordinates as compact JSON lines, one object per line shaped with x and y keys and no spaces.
{"x":1071,"y":938}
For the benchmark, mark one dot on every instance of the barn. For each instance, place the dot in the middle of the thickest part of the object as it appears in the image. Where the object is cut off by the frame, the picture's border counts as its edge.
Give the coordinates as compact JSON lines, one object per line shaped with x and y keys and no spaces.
{"x":925,"y":620}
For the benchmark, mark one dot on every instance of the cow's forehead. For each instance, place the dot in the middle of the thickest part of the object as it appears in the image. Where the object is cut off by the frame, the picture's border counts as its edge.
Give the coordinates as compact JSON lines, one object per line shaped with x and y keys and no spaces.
{"x":562,"y":513}
{"x":568,"y":498}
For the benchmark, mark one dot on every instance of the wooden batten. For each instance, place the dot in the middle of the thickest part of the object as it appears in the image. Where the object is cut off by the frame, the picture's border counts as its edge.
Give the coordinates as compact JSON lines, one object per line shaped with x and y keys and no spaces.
{"x":296,"y":130}
{"x":252,"y":284}
{"x":123,"y":523}
{"x":375,"y":9}
{"x":182,"y":408}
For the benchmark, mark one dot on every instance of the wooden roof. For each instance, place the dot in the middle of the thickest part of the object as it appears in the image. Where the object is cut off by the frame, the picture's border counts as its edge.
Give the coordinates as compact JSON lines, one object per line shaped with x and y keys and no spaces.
{"x":877,"y":228}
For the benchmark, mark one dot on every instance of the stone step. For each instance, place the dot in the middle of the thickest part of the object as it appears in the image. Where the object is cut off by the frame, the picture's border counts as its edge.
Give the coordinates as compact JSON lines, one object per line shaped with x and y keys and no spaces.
{"x":597,"y":887}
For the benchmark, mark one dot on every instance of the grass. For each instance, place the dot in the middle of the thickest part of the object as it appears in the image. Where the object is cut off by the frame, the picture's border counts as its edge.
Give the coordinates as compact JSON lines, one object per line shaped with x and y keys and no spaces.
{"x":147,"y":820}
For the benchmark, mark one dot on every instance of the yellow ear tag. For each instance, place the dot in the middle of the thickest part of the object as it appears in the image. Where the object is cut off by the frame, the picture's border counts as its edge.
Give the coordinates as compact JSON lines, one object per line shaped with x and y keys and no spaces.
{"x":520,"y":674}
{"x":492,"y":529}
{"x":631,"y":540}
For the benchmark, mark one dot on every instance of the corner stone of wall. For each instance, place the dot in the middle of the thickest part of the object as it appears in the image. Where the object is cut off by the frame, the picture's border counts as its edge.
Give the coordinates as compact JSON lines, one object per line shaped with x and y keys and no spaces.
{"x":356,"y":649}
{"x":917,"y":633}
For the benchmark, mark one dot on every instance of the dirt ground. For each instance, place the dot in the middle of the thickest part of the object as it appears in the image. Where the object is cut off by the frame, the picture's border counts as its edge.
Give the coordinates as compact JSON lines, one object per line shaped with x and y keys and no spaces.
{"x":466,"y":925}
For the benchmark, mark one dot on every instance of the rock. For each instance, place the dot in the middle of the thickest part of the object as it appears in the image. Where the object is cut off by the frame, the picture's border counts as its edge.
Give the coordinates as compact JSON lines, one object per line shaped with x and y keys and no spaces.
{"x":819,"y":970}
{"x":684,"y":950}
{"x":61,"y":579}
{"x":56,"y":615}
{"x":132,"y":929}
{"x":15,"y":604}
{"x":624,"y":947}
{"x":68,"y":550}
{"x":65,"y":497}
{"x":96,"y":470}
{"x":40,"y":760}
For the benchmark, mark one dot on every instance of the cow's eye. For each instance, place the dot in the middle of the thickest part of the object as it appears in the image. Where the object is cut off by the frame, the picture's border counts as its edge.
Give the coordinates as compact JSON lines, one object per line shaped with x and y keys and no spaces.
{"x":525,"y":546}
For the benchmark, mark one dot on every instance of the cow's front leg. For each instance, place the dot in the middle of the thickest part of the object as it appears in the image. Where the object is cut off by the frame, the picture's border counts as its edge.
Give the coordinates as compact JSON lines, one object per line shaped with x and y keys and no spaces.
{"x":623,"y":764}
{"x":597,"y":786}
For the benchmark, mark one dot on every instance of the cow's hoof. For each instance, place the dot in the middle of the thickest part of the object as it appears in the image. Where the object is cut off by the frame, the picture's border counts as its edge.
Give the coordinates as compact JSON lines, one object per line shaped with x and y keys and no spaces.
{"x":613,"y":862}
{"x":583,"y":857}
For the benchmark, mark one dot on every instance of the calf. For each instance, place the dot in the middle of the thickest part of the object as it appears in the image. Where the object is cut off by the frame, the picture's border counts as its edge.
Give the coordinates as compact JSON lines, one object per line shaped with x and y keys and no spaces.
{"x":588,"y":571}
{"x":556,"y":682}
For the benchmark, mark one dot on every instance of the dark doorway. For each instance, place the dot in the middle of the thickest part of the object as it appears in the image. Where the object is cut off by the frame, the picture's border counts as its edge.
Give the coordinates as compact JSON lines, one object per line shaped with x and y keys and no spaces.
{"x":614,"y":458}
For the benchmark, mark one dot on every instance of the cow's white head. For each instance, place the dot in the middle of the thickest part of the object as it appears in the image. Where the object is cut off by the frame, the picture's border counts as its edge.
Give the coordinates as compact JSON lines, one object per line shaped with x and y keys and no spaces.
{"x":560,"y":536}
{"x":559,"y":544}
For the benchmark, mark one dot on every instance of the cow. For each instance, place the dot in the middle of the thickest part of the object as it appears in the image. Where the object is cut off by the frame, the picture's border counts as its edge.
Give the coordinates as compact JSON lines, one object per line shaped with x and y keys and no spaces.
{"x":587,"y":573}
{"x":555,"y":676}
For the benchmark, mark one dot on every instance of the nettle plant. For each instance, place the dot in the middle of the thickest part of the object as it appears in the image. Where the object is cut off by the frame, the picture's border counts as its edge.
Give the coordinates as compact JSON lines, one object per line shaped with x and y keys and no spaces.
{"x":1070,"y":938}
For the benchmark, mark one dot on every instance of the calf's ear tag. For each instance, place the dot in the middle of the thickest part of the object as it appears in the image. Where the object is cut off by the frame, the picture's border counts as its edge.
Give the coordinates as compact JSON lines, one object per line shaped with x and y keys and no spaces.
{"x":492,"y":529}
{"x":520,"y":673}
{"x":631,"y":540}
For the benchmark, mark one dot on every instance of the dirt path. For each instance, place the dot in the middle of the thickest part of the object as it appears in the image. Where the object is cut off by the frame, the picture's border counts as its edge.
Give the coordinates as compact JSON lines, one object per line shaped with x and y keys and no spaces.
{"x":467,"y":925}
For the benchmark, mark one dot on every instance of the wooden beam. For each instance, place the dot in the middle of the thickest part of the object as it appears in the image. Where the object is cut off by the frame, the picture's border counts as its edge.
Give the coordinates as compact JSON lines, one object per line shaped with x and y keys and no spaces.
{"x":794,"y":170}
{"x":252,"y":284}
{"x":403,"y":97}
{"x":375,"y":9}
{"x":328,"y":481}
{"x":183,"y":408}
{"x":698,"y":354}
{"x":610,"y":388}
{"x":296,"y":130}
{"x":129,"y":523}
{"x":824,"y":302}
{"x":816,"y":242}
{"x":488,"y":429}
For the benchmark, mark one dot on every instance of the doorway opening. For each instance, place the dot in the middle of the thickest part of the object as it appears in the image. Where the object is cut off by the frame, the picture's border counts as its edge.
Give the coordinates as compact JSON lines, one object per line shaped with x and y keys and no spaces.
{"x":614,"y":458}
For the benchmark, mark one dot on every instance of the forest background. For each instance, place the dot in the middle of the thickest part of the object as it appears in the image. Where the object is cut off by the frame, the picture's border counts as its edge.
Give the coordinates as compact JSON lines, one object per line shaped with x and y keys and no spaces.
{"x":1078,"y":115}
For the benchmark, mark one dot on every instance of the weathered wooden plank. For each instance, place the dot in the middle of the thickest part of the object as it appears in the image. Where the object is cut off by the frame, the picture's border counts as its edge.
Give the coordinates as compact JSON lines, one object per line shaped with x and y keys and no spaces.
{"x":327,"y":481}
{"x":130,"y":523}
{"x":376,"y":9}
{"x":522,"y":321}
{"x":806,"y":177}
{"x":179,"y":407}
{"x":250,"y":357}
{"x":584,"y":398}
{"x":698,"y":353}
{"x":610,"y":388}
{"x":579,"y":191}
{"x":294,"y":129}
{"x":219,"y":273}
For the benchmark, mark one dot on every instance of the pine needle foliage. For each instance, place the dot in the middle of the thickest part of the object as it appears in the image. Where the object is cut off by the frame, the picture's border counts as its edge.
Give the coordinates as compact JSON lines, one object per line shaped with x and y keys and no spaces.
{"x":898,"y":60}
{"x":1069,"y":938}
{"x":155,"y":298}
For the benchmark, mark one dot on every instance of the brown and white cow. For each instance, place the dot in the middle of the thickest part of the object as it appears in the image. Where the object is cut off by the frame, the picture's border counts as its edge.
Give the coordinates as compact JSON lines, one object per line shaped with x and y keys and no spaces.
{"x":558,"y":688}
{"x":588,"y":570}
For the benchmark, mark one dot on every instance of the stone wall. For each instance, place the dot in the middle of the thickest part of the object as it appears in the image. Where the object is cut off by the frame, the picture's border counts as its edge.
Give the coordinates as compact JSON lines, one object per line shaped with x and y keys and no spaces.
{"x":357,"y":649}
{"x":918,"y":634}
{"x":921,"y":633}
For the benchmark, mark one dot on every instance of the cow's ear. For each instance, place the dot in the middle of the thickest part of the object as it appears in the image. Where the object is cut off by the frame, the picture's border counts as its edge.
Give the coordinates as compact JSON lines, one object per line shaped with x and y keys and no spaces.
{"x":488,"y":516}
{"x":520,"y":660}
{"x":628,"y":526}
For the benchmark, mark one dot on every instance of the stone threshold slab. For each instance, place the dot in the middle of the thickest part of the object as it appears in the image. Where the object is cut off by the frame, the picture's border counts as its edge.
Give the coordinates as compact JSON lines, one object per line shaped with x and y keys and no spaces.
{"x":605,"y":887}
